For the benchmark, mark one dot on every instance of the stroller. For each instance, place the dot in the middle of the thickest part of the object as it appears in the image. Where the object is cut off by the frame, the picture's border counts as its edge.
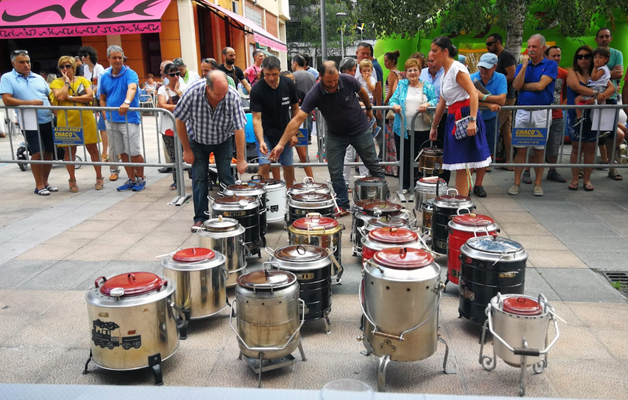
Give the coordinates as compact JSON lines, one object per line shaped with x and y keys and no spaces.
{"x":22,"y":152}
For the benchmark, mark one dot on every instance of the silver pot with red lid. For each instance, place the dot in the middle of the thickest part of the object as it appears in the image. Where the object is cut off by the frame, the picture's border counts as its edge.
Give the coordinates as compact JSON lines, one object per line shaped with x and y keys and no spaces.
{"x":383,"y":238}
{"x":400,"y":297}
{"x":133,"y":321}
{"x":269,"y":315}
{"x":520,"y":327}
{"x":201,"y":277}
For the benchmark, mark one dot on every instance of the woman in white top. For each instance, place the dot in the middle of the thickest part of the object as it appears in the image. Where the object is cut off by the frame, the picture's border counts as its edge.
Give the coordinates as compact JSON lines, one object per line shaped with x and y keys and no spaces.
{"x":458,"y":93}
{"x":167,"y":97}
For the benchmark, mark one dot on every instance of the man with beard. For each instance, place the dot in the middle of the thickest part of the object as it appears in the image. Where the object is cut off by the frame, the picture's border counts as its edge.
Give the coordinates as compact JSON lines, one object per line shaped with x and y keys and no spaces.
{"x":335,"y":97}
{"x":232,"y":70}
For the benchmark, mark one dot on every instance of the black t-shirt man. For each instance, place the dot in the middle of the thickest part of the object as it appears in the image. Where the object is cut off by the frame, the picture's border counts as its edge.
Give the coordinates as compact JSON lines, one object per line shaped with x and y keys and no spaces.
{"x":504,"y":60}
{"x":236,"y":73}
{"x":275,"y":105}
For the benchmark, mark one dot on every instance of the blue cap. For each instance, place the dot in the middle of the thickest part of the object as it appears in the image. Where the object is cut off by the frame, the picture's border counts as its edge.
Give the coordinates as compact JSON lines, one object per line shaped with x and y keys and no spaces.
{"x":462,"y":59}
{"x":488,"y":60}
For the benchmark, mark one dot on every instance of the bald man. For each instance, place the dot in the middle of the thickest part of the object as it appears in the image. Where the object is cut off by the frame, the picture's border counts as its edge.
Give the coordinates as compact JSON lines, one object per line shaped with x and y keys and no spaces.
{"x":335,"y":97}
{"x":233,"y":71}
{"x":213,"y":111}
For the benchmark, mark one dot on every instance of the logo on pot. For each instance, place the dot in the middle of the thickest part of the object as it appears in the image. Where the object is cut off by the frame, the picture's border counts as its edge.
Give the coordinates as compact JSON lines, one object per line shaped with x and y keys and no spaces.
{"x":107,"y":334}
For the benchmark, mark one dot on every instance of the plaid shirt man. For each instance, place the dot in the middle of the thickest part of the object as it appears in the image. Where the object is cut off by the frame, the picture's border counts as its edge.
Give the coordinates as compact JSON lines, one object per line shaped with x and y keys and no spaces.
{"x":204,"y":124}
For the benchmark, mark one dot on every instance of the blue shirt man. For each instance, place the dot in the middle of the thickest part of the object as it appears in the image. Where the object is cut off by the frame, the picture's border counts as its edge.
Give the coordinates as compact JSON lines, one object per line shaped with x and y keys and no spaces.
{"x":115,"y":88}
{"x":496,"y":85}
{"x":533,"y":74}
{"x":433,"y":76}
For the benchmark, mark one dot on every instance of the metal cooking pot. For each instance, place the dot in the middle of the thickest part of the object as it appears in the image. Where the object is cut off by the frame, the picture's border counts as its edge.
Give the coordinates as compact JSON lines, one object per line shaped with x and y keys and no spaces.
{"x":431,"y":161}
{"x":200,"y":276}
{"x":365,"y":223}
{"x":428,"y":188}
{"x":427,"y":211}
{"x":132,"y":319}
{"x":246,"y":210}
{"x":445,"y":208}
{"x":275,"y":197}
{"x":308,"y":186}
{"x":489,"y":265}
{"x":300,"y":205}
{"x":226,"y":236}
{"x":250,"y":189}
{"x":370,"y":187}
{"x":383,"y":238}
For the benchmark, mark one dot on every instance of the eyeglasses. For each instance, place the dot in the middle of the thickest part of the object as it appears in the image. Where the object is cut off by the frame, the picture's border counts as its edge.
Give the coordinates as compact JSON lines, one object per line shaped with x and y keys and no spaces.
{"x":18,"y":52}
{"x":67,"y":66}
{"x":173,"y":74}
{"x":489,"y":44}
{"x":583,"y":56}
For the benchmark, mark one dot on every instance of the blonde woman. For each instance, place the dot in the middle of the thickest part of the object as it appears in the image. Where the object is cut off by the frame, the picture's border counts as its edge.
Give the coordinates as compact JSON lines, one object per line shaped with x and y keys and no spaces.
{"x":76,"y":91}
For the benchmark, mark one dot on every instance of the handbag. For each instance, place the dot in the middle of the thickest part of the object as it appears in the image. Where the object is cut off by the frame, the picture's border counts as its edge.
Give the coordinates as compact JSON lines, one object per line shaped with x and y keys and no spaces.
{"x":427,"y":116}
{"x":80,"y":91}
{"x":461,"y":128}
{"x":390,"y":114}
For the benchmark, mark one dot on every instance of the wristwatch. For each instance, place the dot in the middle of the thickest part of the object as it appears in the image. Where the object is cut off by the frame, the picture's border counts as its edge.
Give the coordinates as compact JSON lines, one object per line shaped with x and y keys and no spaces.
{"x":472,"y":119}
{"x":127,"y":101}
{"x":368,"y":108}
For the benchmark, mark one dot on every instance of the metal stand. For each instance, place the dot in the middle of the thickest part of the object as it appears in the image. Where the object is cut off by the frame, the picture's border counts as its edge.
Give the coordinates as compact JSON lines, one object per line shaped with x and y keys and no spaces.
{"x":259,"y":365}
{"x":381,"y":373}
{"x":327,"y":324}
{"x":154,"y":362}
{"x":88,"y":360}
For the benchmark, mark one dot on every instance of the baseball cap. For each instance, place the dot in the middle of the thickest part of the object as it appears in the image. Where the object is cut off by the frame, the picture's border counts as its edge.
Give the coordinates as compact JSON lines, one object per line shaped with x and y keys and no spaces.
{"x":178,"y":62}
{"x":488,"y":60}
{"x":462,"y":59}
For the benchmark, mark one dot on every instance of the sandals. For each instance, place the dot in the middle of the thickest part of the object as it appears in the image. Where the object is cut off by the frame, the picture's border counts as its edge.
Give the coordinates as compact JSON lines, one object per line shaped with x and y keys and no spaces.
{"x":614,"y":175}
{"x":173,"y":186}
{"x":588,"y":187}
{"x":105,"y":158}
{"x":42,"y":192}
{"x":73,"y":187}
{"x":99,"y":183}
{"x":573,"y":186}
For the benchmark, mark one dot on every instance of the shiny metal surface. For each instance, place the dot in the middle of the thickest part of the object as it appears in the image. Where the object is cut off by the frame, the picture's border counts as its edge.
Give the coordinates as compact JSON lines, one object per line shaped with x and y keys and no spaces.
{"x":276,"y":201}
{"x":370,"y":188}
{"x":230,"y":243}
{"x":426,"y":189}
{"x":127,"y":330}
{"x":494,"y":248}
{"x":201,"y":286}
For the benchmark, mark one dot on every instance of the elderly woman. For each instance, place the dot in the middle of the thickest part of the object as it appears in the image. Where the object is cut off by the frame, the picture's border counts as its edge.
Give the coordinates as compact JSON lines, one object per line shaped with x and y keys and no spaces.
{"x":412,"y":96}
{"x":76,"y":91}
{"x":465,"y":146}
{"x":583,"y":137}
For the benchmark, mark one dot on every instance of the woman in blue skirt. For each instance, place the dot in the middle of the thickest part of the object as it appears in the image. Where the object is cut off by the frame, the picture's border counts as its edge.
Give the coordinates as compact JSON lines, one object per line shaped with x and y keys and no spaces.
{"x":458,"y":93}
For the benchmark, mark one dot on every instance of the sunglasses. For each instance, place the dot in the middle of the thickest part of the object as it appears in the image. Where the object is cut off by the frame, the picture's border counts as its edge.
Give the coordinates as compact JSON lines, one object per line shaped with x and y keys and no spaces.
{"x":67,"y":66}
{"x":489,"y":44}
{"x":17,"y":52}
{"x":583,"y":56}
{"x":173,"y":74}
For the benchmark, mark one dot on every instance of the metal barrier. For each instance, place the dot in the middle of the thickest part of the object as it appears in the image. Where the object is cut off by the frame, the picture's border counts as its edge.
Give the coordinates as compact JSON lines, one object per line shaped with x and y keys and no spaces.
{"x":24,"y":113}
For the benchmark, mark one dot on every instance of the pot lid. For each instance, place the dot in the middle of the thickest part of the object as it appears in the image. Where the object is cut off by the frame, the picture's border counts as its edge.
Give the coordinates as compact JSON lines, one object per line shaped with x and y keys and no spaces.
{"x":315,"y":221}
{"x":371,"y":179}
{"x":382,"y":206}
{"x":220,"y":224}
{"x":132,"y":284}
{"x":266,"y":279}
{"x":311,"y":197}
{"x":428,"y":204}
{"x":360,"y":204}
{"x":393,"y":235}
{"x":473,"y":219}
{"x":194,"y":254}
{"x":388,"y":221}
{"x":265,"y":181}
{"x":302,"y":253}
{"x":521,"y":305}
{"x":494,"y":244}
{"x":453,"y":201}
{"x":235,"y":199}
{"x":403,"y":258}
{"x":432,"y":180}
{"x":432,"y":150}
{"x":309,"y":185}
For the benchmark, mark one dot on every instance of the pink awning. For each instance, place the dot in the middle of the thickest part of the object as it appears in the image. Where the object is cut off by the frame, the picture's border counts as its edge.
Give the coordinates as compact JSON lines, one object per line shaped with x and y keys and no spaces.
{"x":54,"y":18}
{"x":260,"y":35}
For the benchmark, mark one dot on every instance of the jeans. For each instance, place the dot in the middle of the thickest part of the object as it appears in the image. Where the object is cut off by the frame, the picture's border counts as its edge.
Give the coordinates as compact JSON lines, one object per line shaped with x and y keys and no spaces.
{"x":336,"y":148}
{"x":223,"y":153}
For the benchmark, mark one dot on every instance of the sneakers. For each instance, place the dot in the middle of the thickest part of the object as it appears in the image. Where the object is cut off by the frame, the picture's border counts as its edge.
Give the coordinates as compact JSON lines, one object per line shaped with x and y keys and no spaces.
{"x":198,"y":225}
{"x":140,"y":183}
{"x":479,"y":191}
{"x":42,"y":192}
{"x":514,"y":190}
{"x":340,"y":212}
{"x":113,"y":177}
{"x":128,"y":185}
{"x":371,"y":123}
{"x":52,"y":189}
{"x":553,"y":175}
{"x":538,"y":190}
{"x":526,"y":177}
{"x":377,"y":131}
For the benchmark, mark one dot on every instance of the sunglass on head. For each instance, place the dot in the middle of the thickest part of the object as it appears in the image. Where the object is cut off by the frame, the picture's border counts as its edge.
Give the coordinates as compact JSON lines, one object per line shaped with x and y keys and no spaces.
{"x":17,"y":52}
{"x":67,"y":66}
{"x":173,"y":74}
{"x":489,"y":44}
{"x":585,"y":56}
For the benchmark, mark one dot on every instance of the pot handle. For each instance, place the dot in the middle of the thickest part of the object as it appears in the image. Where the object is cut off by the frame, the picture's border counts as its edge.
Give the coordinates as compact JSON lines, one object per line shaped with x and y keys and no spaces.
{"x":452,"y":190}
{"x":101,"y":279}
{"x":256,"y":177}
{"x":339,"y":269}
{"x":463,"y":208}
{"x":308,"y":180}
{"x":231,"y":315}
{"x":270,"y":251}
{"x":182,"y":323}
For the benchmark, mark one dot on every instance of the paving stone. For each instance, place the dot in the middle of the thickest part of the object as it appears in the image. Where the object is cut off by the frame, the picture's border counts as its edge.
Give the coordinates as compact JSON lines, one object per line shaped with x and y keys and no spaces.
{"x":582,"y":285}
{"x":535,"y":284}
{"x":521,"y":229}
{"x":502,"y":217}
{"x":605,"y":379}
{"x":601,"y":315}
{"x":15,"y":272}
{"x":554,"y":259}
{"x":63,"y":275}
{"x":539,"y":242}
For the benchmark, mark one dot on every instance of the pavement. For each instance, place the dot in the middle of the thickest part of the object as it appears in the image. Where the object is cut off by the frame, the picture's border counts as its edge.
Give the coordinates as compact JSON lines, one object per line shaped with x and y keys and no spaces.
{"x":53,"y":248}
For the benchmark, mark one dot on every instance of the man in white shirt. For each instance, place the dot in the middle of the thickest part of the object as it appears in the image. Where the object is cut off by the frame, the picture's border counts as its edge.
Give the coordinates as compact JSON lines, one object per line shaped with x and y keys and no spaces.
{"x":186,"y":75}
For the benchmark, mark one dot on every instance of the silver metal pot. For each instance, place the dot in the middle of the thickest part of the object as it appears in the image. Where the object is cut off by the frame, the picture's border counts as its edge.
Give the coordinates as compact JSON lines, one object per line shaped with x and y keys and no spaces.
{"x":428,"y":188}
{"x":370,"y":187}
{"x":247,"y":211}
{"x":308,"y":186}
{"x":269,"y":315}
{"x":300,"y":205}
{"x":200,"y":276}
{"x":275,"y":197}
{"x":132,"y":319}
{"x":250,"y":189}
{"x":400,"y":296}
{"x":226,"y":236}
{"x":519,"y":325}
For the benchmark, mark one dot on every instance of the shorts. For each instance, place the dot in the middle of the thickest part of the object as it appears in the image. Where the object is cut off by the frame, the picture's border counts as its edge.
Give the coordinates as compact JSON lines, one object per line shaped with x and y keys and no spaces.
{"x":101,"y":125}
{"x":554,"y":138}
{"x":532,"y":119}
{"x":125,"y":142}
{"x":47,"y":140}
{"x":285,"y":159}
